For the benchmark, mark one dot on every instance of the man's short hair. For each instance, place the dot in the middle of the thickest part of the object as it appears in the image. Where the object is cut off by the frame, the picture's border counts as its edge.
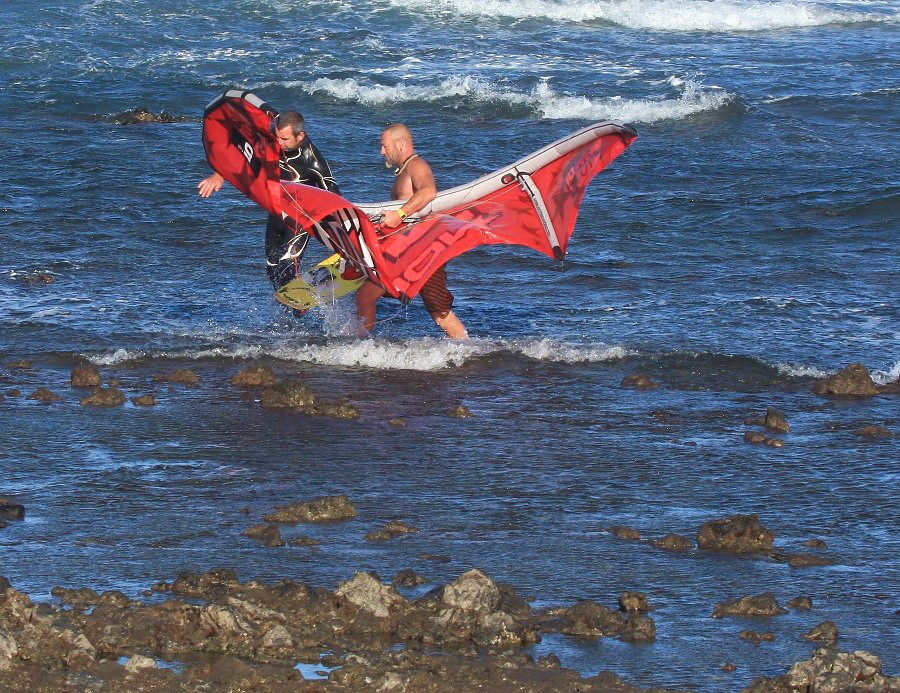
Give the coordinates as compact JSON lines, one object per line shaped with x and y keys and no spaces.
{"x":292,"y":119}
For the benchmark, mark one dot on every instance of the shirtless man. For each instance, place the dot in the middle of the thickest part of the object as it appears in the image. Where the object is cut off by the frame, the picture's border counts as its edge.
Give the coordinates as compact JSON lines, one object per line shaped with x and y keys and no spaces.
{"x":300,"y":162}
{"x":415,"y":184}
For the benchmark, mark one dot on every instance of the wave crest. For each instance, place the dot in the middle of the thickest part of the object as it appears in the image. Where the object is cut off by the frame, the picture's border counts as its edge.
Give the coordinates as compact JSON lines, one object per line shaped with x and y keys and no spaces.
{"x":660,"y":15}
{"x":693,"y":97}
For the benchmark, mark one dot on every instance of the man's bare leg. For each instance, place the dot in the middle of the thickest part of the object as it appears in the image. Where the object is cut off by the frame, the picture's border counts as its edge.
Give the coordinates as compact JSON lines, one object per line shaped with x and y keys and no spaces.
{"x":366,"y":304}
{"x":451,"y":324}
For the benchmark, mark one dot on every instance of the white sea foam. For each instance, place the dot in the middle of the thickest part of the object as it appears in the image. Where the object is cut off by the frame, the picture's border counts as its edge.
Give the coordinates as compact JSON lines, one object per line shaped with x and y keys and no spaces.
{"x":880,"y":377}
{"x":374,"y":95}
{"x":662,"y":15}
{"x":694,"y":97}
{"x":801,"y":371}
{"x":424,"y":354}
{"x":891,"y":375}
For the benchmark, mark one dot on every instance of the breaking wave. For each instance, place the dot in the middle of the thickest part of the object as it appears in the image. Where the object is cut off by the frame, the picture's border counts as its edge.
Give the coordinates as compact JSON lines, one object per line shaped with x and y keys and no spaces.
{"x":664,"y":15}
{"x":693,"y":97}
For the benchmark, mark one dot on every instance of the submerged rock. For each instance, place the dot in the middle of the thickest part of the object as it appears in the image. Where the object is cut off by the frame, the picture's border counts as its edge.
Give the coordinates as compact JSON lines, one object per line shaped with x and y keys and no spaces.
{"x":873,"y":432}
{"x":300,"y":397}
{"x":254,"y":376}
{"x":759,"y":605}
{"x":853,"y":381}
{"x":144,"y":401}
{"x":142,"y":115}
{"x":776,"y":421}
{"x":639,"y":381}
{"x":736,"y":534}
{"x":265,"y":533}
{"x":104,"y":397}
{"x":323,"y":509}
{"x":182,"y":376}
{"x":44,"y":395}
{"x":85,"y":376}
{"x":626,"y":533}
{"x":391,"y":530}
{"x":673,"y":542}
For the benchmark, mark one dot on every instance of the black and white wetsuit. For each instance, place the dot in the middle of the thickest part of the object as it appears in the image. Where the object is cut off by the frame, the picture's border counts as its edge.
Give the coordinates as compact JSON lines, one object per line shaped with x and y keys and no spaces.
{"x":283,"y":248}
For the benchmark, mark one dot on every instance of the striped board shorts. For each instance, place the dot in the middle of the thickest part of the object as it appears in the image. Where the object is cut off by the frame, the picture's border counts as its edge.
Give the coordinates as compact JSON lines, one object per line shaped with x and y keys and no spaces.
{"x":435,"y":294}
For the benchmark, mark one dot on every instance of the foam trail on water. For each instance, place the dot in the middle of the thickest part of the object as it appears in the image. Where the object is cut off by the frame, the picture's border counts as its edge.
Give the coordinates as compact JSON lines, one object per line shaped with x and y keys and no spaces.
{"x":663,"y":15}
{"x":424,"y":354}
{"x":694,"y":97}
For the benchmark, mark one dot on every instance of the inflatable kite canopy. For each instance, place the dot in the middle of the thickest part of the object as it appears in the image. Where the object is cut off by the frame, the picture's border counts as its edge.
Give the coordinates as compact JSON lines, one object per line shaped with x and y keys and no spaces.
{"x":533,"y":202}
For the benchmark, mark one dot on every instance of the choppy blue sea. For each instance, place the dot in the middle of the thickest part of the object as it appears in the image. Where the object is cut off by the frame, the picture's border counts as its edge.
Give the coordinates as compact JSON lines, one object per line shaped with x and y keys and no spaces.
{"x":744,"y":246}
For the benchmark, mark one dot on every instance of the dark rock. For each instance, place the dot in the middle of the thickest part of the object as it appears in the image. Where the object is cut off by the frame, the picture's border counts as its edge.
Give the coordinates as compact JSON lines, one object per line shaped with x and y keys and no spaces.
{"x":872,"y":431}
{"x":639,"y":381}
{"x":10,"y":510}
{"x":634,"y":602}
{"x":142,"y":115}
{"x":265,"y":533}
{"x":391,"y":530}
{"x":81,"y":598}
{"x":218,"y":581}
{"x":673,"y":542}
{"x":756,"y":637}
{"x":755,"y":437}
{"x":853,"y":381}
{"x":436,"y":557}
{"x":801,"y":603}
{"x":144,"y":401}
{"x":736,"y":534}
{"x":44,"y":395}
{"x":408,"y":578}
{"x":549,"y":661}
{"x":830,"y":671}
{"x":104,"y":397}
{"x":587,"y":619}
{"x":804,"y":560}
{"x":625,"y":533}
{"x":304,"y":541}
{"x":758,"y":605}
{"x":826,"y":633}
{"x":85,"y":376}
{"x":638,"y":628}
{"x":460,"y":412}
{"x":323,"y":509}
{"x":182,"y":376}
{"x":33,"y":278}
{"x":815,"y":543}
{"x":776,"y":421}
{"x":300,"y":397}
{"x":254,"y":377}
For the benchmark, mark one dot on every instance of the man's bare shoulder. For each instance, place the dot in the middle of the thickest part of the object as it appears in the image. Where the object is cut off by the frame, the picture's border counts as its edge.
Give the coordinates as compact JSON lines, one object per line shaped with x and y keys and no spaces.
{"x":420,"y":173}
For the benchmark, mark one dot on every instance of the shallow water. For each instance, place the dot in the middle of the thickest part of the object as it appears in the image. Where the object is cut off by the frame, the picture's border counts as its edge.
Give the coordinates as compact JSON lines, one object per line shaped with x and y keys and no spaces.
{"x":744,"y":246}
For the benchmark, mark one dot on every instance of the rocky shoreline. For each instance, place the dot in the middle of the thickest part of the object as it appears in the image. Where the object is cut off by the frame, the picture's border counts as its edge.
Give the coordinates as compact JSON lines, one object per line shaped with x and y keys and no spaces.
{"x":212,"y":632}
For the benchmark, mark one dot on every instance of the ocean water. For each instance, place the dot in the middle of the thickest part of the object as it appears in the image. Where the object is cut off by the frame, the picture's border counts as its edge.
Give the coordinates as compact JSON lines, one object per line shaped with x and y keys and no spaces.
{"x":744,"y":246}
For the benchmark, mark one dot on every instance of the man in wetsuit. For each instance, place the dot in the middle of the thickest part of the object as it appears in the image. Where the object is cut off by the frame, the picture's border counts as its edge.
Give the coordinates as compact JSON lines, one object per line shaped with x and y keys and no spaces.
{"x":300,"y":162}
{"x":414,"y":183}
